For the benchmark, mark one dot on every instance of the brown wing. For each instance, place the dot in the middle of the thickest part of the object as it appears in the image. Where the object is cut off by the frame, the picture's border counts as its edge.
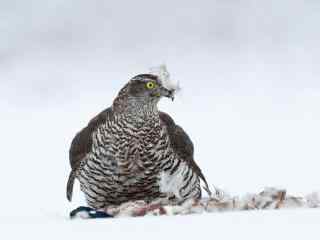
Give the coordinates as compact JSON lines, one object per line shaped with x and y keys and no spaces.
{"x":182,"y":145}
{"x":81,"y":145}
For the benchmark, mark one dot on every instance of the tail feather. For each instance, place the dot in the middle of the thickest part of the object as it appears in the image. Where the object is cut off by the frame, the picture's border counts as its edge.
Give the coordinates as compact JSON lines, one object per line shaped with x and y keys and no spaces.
{"x":206,"y":187}
{"x":70,"y":183}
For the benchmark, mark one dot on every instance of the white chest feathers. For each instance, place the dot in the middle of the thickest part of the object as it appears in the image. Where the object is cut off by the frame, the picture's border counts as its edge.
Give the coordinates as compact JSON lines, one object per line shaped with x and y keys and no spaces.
{"x":173,"y":183}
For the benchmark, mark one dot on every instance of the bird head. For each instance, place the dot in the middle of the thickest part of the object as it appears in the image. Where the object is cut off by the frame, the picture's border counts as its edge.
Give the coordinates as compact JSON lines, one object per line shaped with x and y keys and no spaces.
{"x":143,"y":92}
{"x":149,"y":88}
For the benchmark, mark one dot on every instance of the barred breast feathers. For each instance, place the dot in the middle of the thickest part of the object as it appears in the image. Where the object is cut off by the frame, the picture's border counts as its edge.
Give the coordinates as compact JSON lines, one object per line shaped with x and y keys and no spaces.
{"x":81,"y":145}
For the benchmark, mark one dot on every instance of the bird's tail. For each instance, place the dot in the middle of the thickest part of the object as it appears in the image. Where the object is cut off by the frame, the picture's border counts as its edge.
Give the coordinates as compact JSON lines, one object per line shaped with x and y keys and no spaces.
{"x":70,"y":183}
{"x":206,"y":185}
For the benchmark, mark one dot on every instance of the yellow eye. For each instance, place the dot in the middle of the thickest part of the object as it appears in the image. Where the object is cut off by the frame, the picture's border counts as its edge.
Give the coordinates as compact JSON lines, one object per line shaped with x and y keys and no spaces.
{"x":151,"y":85}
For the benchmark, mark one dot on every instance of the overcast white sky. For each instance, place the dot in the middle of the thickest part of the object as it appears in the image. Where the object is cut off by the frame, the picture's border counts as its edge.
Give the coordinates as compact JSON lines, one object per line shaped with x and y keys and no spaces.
{"x":53,"y":48}
{"x":249,"y":71}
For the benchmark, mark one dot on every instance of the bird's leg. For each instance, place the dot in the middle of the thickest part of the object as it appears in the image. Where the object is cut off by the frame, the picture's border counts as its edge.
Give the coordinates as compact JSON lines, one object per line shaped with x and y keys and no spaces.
{"x":88,"y":213}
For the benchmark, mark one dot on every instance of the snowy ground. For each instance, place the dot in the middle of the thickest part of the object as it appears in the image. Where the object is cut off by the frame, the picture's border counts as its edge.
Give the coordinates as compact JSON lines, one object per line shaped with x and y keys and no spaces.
{"x":250,"y":101}
{"x":287,"y":224}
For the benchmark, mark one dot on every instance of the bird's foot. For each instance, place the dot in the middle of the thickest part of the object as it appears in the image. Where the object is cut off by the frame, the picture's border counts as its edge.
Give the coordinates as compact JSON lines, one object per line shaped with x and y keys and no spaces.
{"x":88,"y":213}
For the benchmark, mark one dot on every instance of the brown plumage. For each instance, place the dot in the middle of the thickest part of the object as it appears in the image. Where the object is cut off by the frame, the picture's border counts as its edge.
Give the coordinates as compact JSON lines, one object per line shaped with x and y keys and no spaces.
{"x":132,"y":151}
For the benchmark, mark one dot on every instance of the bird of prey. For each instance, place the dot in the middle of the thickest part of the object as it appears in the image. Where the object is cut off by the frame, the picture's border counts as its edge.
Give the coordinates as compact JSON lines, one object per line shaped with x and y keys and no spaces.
{"x":132,"y":151}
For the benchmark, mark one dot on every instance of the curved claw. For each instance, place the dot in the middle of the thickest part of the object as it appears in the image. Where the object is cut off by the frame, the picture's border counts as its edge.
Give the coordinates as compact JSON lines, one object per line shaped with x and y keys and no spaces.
{"x":87,"y":212}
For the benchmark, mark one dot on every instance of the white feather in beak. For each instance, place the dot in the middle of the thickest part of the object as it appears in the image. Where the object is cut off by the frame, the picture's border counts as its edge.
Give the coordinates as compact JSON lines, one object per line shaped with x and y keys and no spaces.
{"x":164,"y":76}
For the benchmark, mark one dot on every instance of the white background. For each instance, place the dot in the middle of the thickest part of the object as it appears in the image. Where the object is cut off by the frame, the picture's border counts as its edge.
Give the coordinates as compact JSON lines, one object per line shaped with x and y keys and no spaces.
{"x":251,"y":92}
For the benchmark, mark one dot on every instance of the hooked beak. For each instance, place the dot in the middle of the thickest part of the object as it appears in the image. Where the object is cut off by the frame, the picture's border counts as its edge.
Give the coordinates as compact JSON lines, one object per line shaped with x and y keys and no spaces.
{"x":167,"y":93}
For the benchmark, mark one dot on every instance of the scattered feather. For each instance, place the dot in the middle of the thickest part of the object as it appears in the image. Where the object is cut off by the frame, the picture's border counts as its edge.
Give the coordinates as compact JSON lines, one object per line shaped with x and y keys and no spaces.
{"x":269,"y":198}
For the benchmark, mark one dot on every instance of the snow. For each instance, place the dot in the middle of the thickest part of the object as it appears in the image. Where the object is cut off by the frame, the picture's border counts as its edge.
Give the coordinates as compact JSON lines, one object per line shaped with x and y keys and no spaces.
{"x":288,"y":224}
{"x":250,"y":103}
